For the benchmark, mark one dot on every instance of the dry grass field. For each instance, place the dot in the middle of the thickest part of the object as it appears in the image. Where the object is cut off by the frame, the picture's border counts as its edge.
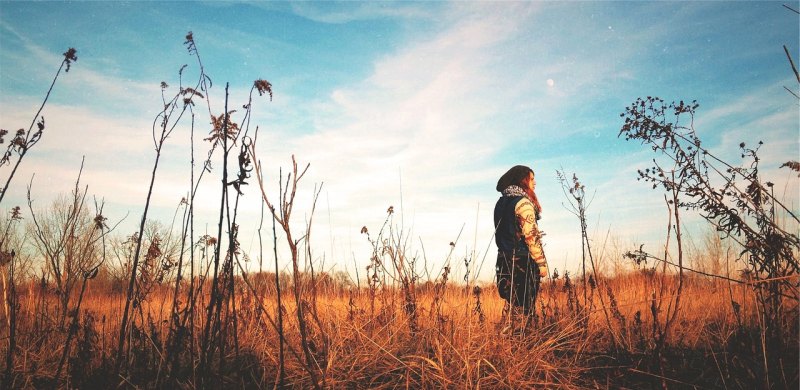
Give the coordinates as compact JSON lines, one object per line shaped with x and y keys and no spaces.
{"x":454,"y":338}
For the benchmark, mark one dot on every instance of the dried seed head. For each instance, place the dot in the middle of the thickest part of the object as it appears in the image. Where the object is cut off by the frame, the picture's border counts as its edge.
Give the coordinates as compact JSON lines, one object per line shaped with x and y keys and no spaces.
{"x":100,"y":222}
{"x":70,"y":56}
{"x":16,"y":214}
{"x":263,"y":86}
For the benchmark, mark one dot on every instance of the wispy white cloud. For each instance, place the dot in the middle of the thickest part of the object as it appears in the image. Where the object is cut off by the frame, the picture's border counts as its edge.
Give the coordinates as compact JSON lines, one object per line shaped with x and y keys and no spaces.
{"x":442,"y":110}
{"x":418,"y":121}
{"x":345,"y":11}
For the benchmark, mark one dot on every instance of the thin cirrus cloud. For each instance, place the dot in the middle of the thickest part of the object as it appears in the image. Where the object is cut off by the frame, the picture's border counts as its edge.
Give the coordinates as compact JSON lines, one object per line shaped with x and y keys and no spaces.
{"x":405,"y":136}
{"x":439,"y":102}
{"x":337,"y":12}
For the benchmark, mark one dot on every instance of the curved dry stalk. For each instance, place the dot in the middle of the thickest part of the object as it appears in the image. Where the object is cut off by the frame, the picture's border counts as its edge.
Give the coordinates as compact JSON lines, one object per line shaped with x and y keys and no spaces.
{"x":21,"y":145}
{"x":282,"y":217}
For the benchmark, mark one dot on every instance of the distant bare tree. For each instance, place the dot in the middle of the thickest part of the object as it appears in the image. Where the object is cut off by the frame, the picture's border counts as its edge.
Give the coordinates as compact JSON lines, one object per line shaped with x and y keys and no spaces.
{"x":68,"y":238}
{"x":160,"y":262}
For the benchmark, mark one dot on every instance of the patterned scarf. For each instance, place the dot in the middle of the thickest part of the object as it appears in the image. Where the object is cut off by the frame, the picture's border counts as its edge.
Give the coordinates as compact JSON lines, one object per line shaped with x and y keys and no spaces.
{"x":515,"y":190}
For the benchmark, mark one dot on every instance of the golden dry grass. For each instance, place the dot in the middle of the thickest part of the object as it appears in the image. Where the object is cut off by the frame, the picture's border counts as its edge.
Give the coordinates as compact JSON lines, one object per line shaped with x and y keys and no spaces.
{"x":447,"y":344}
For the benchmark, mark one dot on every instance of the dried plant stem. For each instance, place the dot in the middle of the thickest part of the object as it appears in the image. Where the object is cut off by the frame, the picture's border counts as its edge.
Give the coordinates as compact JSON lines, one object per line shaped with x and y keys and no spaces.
{"x":69,"y":56}
{"x":282,"y":217}
{"x":10,"y":296}
{"x":794,"y":69}
{"x":212,"y":320}
{"x":73,"y":328}
{"x":166,"y":130}
{"x":262,"y":313}
{"x":281,"y":337}
{"x":576,"y":194}
{"x":87,"y":275}
{"x":10,"y":305}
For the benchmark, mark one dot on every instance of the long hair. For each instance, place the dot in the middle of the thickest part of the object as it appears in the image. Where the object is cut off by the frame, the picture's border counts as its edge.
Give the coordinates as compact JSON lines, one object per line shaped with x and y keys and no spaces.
{"x":518,"y":175}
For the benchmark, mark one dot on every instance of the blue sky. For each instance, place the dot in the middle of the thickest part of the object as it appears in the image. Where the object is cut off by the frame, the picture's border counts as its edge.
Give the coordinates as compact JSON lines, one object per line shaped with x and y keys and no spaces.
{"x":415,"y":104}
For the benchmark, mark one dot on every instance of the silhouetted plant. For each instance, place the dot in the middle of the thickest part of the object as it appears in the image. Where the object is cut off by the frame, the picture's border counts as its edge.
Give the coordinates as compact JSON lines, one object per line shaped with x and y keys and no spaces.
{"x":282,"y":215}
{"x":478,"y":309}
{"x":164,"y":124}
{"x":19,"y":146}
{"x":733,"y":198}
{"x":390,"y":259}
{"x":226,"y":134}
{"x":24,"y":140}
{"x":791,"y":61}
{"x":9,"y":279}
{"x":575,"y":192}
{"x":742,"y":208}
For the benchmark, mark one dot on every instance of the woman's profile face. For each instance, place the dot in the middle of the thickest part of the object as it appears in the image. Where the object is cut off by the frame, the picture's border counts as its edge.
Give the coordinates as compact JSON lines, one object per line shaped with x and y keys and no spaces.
{"x":531,"y":182}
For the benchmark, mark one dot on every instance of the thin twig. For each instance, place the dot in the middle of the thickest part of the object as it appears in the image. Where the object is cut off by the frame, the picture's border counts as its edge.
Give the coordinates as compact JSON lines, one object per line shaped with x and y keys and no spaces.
{"x":794,"y":69}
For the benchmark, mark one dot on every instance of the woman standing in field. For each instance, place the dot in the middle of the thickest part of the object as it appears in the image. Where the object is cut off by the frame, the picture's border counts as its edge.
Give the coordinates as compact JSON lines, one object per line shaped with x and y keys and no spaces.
{"x":520,"y":259}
